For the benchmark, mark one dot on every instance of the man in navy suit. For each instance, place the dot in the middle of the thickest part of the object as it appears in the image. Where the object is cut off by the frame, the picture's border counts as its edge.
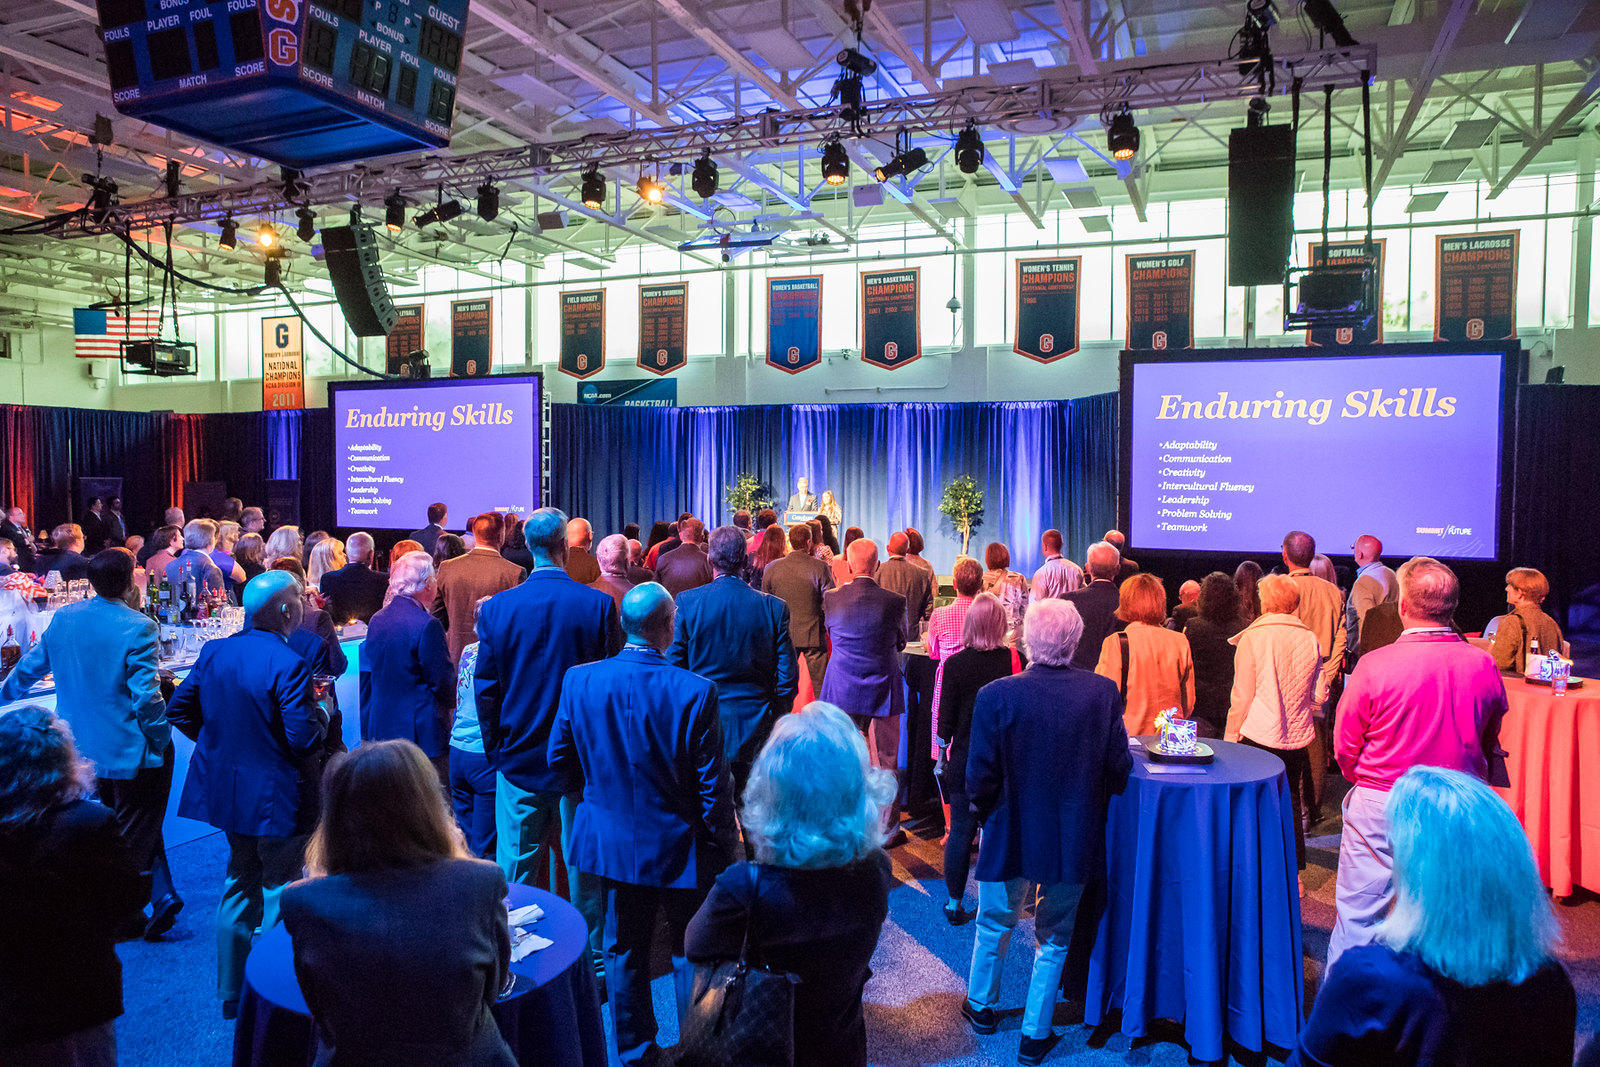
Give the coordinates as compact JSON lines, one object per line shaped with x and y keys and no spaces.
{"x":866,"y":624}
{"x":1096,"y":603}
{"x":1048,"y":747}
{"x":408,"y":687}
{"x":739,"y":639}
{"x":355,"y":591}
{"x":643,"y":740}
{"x":527,"y":639}
{"x":248,"y":706}
{"x":428,"y":536}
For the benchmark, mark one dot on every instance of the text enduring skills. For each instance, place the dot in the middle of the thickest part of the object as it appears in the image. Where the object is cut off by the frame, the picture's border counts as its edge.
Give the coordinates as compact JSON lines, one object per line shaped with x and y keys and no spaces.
{"x":1358,"y":404}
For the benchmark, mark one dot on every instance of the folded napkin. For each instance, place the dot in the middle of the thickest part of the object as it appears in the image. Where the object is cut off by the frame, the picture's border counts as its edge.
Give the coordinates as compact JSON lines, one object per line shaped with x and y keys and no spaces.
{"x":532,"y":913}
{"x":525,"y":944}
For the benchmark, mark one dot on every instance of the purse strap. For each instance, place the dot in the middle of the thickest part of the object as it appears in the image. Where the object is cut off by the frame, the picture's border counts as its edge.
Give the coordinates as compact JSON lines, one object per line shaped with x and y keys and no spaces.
{"x":1122,"y":639}
{"x":753,"y":874}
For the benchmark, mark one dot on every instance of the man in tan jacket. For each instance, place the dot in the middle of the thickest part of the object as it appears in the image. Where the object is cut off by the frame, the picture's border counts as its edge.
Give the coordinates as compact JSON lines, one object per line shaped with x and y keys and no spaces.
{"x":465,"y":580}
{"x":1322,"y":609}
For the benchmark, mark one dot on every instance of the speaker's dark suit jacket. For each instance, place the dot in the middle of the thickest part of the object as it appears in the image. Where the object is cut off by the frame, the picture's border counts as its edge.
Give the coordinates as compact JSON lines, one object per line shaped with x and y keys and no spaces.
{"x":408,"y":687}
{"x":248,"y":707}
{"x":644,"y":740}
{"x":1097,"y":603}
{"x":739,"y":639}
{"x":864,"y":623}
{"x":1047,"y":748}
{"x":800,"y":580}
{"x":530,"y":636}
{"x":354,"y":591}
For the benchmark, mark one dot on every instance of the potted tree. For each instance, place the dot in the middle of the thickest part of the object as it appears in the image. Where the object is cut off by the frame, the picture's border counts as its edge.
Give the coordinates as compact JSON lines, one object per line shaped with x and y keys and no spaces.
{"x":748,"y":494}
{"x":963,"y":506}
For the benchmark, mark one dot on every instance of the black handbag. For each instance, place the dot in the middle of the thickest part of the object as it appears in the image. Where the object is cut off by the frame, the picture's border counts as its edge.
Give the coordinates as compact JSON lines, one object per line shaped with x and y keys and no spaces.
{"x":739,"y":1015}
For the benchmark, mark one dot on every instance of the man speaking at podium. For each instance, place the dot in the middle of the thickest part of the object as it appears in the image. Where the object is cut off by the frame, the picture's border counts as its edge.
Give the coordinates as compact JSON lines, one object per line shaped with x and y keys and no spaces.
{"x":802,"y":499}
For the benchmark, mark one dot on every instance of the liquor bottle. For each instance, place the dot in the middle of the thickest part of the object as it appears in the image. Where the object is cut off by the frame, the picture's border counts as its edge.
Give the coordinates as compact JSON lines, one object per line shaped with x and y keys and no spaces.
{"x":1533,"y":655}
{"x":10,"y":651}
{"x":164,"y":601}
{"x":191,"y":602}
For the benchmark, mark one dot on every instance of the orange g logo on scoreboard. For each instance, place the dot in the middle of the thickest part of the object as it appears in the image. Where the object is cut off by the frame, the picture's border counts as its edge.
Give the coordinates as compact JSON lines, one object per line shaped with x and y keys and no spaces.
{"x":1474,"y":329}
{"x":891,"y":351}
{"x":283,"y":48}
{"x":1345,"y":334}
{"x":794,"y":354}
{"x":1047,"y":342}
{"x":1158,"y":339}
{"x":661,"y":357}
{"x":583,"y":361}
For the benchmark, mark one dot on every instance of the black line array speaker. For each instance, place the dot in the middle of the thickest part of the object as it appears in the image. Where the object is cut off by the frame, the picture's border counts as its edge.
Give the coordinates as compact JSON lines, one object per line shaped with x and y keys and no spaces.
{"x":1260,"y":204}
{"x":352,"y":254}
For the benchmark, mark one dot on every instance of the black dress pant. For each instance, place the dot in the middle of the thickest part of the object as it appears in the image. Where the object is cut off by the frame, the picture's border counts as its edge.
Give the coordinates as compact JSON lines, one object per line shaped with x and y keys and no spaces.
{"x":629,"y":936}
{"x":139,"y":805}
{"x":958,"y":843}
{"x":1297,"y":764}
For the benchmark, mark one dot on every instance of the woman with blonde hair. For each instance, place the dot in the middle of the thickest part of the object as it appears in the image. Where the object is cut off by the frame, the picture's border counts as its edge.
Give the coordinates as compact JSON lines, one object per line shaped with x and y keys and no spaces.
{"x":1526,"y":589}
{"x":400,"y":939}
{"x":328,"y":555}
{"x":830,"y":507}
{"x":222,"y":555}
{"x":1464,"y":970}
{"x":1151,"y":664}
{"x":283,"y":544}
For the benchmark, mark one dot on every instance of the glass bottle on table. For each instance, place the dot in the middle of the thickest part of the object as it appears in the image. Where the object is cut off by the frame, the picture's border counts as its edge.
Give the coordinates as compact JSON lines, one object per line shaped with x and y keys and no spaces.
{"x":1532,"y":665}
{"x":10,"y":651}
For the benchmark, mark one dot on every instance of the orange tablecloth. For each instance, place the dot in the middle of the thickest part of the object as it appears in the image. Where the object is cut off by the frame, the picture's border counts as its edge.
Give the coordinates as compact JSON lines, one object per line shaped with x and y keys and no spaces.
{"x":1554,"y":765}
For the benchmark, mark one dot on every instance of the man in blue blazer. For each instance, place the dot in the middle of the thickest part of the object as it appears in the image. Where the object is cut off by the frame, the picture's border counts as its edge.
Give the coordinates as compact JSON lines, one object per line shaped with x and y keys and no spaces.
{"x":248,"y":706}
{"x":408,"y":687}
{"x":643,"y":741}
{"x":738,"y":638}
{"x":866,"y":626}
{"x":1048,"y":748}
{"x":527,"y":639}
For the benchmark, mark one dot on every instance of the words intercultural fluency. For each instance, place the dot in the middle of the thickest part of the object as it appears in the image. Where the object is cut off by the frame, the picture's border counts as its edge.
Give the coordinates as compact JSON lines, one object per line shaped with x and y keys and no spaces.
{"x":1358,"y":404}
{"x":495,"y":414}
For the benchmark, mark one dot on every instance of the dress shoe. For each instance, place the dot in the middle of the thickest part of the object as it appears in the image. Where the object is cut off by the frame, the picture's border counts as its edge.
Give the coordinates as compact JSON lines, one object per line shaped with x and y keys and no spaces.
{"x":1034,"y":1049}
{"x":957,"y":915}
{"x":230,"y":1009}
{"x":980,"y":1019}
{"x":162,"y":915}
{"x":895,"y":838}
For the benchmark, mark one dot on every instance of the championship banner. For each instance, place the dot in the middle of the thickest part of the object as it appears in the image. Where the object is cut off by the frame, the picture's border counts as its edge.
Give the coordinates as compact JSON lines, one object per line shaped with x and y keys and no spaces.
{"x":891,"y":330}
{"x":283,"y":367}
{"x":404,"y":339}
{"x":469,"y":337}
{"x":1353,"y":253}
{"x":583,"y":332}
{"x":662,"y":313}
{"x":1476,"y":282}
{"x":1161,"y":300}
{"x":794,"y":323}
{"x":1047,"y":308}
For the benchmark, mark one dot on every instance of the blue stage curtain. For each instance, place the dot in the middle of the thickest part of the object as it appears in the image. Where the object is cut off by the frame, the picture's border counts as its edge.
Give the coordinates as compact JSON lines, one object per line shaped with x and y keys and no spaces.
{"x":1040,"y":464}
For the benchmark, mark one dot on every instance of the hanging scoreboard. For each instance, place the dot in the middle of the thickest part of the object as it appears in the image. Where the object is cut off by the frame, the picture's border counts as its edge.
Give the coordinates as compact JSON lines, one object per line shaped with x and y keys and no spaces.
{"x":299,"y":82}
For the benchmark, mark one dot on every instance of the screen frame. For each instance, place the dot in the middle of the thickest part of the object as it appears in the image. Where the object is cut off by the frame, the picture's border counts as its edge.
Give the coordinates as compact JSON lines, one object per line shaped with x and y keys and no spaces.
{"x":1514,"y":371}
{"x":362,"y":385}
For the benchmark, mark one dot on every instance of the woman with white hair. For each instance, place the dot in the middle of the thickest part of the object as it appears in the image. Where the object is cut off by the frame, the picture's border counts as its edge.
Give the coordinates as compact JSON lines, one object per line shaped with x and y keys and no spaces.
{"x":285,"y":541}
{"x":408,"y":685}
{"x":1464,"y":970}
{"x":819,"y":889}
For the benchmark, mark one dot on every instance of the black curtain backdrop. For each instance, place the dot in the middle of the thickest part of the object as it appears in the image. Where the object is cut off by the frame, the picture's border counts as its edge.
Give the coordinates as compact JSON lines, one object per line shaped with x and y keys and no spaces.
{"x":126,"y":445}
{"x":1555,"y":494}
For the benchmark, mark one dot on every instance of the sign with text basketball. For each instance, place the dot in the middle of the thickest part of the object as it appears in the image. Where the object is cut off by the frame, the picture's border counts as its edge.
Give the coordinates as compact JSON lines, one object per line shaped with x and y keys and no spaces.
{"x":1047,"y":308}
{"x":470,"y":354}
{"x":583,"y":332}
{"x":891,"y":329}
{"x":794,"y":323}
{"x":283,"y":367}
{"x":1476,"y":286}
{"x":663,"y":311}
{"x":404,"y":339}
{"x":1161,"y":301}
{"x":1352,"y":254}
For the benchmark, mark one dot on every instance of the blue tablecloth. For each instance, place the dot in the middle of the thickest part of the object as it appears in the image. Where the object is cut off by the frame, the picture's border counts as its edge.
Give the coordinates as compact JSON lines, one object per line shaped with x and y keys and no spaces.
{"x":1202,"y":911}
{"x":551,"y":1018}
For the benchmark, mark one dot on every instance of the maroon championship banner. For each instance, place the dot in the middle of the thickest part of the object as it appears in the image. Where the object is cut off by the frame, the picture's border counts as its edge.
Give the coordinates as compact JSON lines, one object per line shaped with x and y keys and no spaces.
{"x":1475,"y":278}
{"x":1047,"y":308}
{"x":1351,"y":253}
{"x":1160,"y":300}
{"x":663,"y":310}
{"x":470,"y":351}
{"x":404,"y":339}
{"x":583,"y":332}
{"x":891,"y":329}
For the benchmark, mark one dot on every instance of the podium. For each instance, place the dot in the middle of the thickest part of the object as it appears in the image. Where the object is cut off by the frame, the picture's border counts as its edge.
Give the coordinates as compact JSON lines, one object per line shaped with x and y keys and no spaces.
{"x":791,"y":518}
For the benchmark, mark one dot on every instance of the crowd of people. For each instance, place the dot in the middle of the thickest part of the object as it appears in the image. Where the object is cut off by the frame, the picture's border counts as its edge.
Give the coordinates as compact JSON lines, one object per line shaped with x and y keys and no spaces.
{"x":707,"y":724}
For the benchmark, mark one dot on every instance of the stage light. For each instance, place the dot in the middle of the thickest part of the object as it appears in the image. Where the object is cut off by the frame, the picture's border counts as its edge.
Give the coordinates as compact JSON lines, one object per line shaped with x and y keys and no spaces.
{"x":969,"y":150}
{"x":274,"y":271}
{"x":1122,"y":136}
{"x":650,"y":190}
{"x":594,"y":187}
{"x":266,"y":236}
{"x":835,"y":163}
{"x":912,"y":159}
{"x":856,"y":63}
{"x":174,"y":177}
{"x":228,"y":240}
{"x":704,"y":179}
{"x":394,"y":212}
{"x":102,"y":195}
{"x":440,"y":212}
{"x":488,"y":202}
{"x":307,"y":230}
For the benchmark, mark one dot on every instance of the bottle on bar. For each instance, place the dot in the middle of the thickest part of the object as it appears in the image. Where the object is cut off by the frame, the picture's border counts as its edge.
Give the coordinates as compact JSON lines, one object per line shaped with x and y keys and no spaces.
{"x":10,"y":651}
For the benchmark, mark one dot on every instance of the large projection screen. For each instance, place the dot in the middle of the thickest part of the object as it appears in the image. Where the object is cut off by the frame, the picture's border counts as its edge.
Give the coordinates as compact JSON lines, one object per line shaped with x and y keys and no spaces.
{"x":1229,"y":449}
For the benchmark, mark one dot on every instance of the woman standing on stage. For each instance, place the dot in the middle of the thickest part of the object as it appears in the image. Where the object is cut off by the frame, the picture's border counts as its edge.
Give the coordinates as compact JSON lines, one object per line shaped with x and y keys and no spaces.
{"x":830,"y":507}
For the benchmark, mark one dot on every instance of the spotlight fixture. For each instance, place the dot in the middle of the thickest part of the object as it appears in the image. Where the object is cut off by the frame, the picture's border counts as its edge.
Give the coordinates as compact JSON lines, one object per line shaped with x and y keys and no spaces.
{"x":266,"y":236}
{"x":835,"y":163}
{"x":1252,"y":47}
{"x":650,"y":190}
{"x":443,"y":211}
{"x":704,"y":179}
{"x":1122,"y":136}
{"x":969,"y":149}
{"x":228,"y":240}
{"x":912,"y":159}
{"x":102,"y":195}
{"x":488,"y":202}
{"x":394,"y":212}
{"x":860,"y":65}
{"x":274,"y":271}
{"x":174,"y":177}
{"x":848,"y":88}
{"x":307,"y":230}
{"x":594,"y":187}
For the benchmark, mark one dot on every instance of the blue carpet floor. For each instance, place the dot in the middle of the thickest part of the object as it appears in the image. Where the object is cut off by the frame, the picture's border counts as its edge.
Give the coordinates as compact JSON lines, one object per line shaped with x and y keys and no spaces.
{"x":912,"y":1003}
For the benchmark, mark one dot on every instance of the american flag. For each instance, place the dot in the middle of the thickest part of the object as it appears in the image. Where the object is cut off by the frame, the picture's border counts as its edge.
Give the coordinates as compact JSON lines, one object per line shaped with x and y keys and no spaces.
{"x":100,"y":333}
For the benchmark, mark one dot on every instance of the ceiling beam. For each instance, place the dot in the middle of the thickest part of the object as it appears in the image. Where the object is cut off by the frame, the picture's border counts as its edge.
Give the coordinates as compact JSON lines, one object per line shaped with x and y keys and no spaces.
{"x":1432,"y":67}
{"x":1542,"y":141}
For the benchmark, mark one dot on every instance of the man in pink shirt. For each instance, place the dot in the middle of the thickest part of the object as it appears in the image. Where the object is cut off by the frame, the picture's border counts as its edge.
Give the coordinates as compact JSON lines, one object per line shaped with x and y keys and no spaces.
{"x":1430,"y":698}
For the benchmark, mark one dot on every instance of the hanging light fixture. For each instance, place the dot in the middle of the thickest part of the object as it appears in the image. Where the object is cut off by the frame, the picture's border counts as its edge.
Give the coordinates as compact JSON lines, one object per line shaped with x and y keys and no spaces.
{"x":307,"y":230}
{"x":1122,"y":136}
{"x":266,"y":236}
{"x":594,"y":187}
{"x":969,"y":149}
{"x":835,"y":163}
{"x":912,"y":159}
{"x":651,"y":191}
{"x":394,"y":212}
{"x":228,"y":240}
{"x":704,"y":179}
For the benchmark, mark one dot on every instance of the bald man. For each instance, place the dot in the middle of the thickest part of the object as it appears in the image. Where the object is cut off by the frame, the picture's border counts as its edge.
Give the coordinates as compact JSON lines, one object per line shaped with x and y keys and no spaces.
{"x":1126,"y":568}
{"x":1375,"y":584}
{"x":899,"y":575}
{"x":581,"y":564}
{"x":247,"y":705}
